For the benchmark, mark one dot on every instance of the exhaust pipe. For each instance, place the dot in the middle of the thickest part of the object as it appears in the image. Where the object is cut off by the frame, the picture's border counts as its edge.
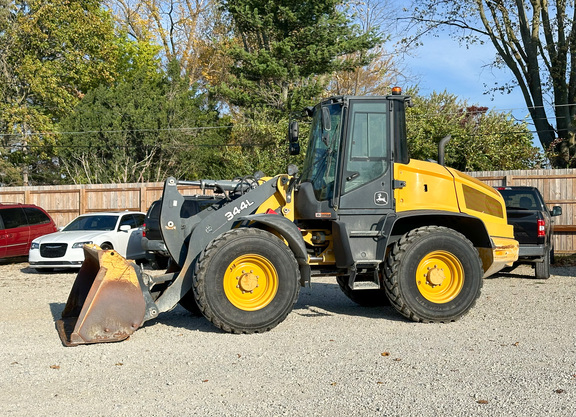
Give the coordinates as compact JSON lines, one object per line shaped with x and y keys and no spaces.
{"x":441,"y":146}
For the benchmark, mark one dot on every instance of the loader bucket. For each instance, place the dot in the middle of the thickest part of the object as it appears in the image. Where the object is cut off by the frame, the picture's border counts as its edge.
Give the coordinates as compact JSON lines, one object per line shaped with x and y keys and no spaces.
{"x":106,"y":303}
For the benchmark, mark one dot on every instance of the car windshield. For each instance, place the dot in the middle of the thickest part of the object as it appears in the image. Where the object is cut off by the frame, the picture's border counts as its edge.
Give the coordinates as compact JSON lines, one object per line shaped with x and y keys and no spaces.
{"x":96,"y":222}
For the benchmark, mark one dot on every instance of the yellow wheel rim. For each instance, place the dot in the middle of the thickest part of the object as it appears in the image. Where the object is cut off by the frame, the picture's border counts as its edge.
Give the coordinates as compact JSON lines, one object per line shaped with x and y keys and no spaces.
{"x":440,"y":277}
{"x":250,"y":282}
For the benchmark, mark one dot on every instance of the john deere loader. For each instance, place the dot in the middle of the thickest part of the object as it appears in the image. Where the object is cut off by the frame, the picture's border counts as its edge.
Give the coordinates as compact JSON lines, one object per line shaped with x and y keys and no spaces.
{"x":415,"y":234}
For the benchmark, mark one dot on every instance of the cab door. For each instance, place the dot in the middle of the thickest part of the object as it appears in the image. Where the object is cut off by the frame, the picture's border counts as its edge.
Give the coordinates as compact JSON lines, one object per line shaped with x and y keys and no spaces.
{"x":365,"y":193}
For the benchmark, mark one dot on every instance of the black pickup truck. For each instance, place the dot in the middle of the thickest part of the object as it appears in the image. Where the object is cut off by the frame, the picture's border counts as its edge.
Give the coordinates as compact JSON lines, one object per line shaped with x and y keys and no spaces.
{"x":152,"y":243}
{"x":532,"y":223}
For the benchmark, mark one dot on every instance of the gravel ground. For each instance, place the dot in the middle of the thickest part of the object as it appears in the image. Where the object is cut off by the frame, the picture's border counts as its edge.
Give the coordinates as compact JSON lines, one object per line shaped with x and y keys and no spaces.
{"x":514,"y":354}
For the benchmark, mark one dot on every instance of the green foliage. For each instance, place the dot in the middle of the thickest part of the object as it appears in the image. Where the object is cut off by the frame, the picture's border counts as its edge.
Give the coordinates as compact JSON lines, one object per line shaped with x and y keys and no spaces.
{"x":285,"y":46}
{"x":282,"y":54}
{"x":52,"y":54}
{"x":142,"y":129}
{"x":482,"y":140}
{"x":255,"y":145}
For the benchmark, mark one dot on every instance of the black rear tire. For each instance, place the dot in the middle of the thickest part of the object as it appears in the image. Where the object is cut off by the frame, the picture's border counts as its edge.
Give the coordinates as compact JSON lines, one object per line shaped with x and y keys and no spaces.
{"x":542,"y":269}
{"x":434,"y":275}
{"x":246,"y":281}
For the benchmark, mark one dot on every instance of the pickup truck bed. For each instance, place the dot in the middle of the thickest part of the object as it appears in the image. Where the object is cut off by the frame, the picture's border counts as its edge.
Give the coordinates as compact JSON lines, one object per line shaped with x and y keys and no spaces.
{"x":532,"y":222}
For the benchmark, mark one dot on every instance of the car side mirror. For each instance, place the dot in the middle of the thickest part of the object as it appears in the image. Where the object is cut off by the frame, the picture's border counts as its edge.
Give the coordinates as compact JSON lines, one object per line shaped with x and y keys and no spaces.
{"x":125,"y":228}
{"x":556,"y":211}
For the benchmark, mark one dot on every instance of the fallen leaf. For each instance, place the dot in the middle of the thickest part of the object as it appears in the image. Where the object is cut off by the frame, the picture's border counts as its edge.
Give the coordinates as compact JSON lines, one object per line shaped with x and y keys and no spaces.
{"x":516,"y":344}
{"x":119,"y":364}
{"x":54,"y":366}
{"x":205,"y":380}
{"x":482,"y":401}
{"x":333,"y":383}
{"x":385,"y":354}
{"x":559,"y":391}
{"x":239,"y":355}
{"x":379,"y":382}
{"x":397,"y":359}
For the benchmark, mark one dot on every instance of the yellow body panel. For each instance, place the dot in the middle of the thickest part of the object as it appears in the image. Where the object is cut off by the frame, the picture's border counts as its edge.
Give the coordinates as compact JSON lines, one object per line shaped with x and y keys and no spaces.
{"x":280,"y":199}
{"x":430,"y":186}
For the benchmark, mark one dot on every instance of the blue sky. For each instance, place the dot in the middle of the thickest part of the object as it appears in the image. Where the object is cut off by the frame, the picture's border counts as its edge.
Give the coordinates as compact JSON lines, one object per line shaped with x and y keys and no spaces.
{"x":442,"y":64}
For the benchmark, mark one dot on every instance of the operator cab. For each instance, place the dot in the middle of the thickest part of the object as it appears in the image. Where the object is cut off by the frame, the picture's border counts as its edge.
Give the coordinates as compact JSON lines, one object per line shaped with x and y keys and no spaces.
{"x":353,"y":144}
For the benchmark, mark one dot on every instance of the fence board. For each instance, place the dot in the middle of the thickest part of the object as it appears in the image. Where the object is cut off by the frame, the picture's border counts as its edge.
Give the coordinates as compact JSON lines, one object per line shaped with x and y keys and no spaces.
{"x":65,"y":202}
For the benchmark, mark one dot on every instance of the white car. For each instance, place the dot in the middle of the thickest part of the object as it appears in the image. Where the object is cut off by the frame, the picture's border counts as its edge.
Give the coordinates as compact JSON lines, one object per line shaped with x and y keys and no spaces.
{"x":120,"y":231}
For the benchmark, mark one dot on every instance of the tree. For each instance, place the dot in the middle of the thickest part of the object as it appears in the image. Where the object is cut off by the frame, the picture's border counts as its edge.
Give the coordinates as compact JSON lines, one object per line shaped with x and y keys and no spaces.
{"x":281,"y":55}
{"x":536,"y":40}
{"x":142,"y":129}
{"x":186,"y":31}
{"x":482,"y":140}
{"x":381,"y":73}
{"x":52,"y":53}
{"x":285,"y":48}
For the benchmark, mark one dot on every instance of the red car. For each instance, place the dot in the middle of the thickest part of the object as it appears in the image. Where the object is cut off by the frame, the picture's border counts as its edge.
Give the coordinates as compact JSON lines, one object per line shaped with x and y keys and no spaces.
{"x":19,"y":225}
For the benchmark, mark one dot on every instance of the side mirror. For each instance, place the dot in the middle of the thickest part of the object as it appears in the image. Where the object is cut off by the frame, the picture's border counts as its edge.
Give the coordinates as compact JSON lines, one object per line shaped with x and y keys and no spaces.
{"x":125,"y":228}
{"x":556,"y":211}
{"x":293,"y":132}
{"x":326,"y":119}
{"x":294,"y":148}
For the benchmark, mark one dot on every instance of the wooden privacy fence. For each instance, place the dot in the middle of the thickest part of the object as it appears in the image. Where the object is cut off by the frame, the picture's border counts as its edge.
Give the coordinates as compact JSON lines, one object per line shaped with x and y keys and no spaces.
{"x":557,"y":186}
{"x":65,"y":202}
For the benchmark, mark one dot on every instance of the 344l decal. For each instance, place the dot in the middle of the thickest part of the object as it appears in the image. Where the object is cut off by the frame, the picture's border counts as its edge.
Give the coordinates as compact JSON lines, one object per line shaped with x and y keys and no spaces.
{"x":238,"y":209}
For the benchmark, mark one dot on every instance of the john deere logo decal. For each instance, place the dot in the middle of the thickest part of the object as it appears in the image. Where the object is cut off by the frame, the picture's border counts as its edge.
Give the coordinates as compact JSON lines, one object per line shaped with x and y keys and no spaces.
{"x":381,"y":198}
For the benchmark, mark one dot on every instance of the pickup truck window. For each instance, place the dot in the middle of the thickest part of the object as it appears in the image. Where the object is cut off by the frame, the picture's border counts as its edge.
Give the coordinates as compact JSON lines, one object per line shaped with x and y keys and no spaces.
{"x":519,"y":200}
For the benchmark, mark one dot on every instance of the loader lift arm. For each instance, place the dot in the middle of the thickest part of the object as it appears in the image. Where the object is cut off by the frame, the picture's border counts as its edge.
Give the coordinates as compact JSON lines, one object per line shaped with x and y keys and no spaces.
{"x":91,"y":314}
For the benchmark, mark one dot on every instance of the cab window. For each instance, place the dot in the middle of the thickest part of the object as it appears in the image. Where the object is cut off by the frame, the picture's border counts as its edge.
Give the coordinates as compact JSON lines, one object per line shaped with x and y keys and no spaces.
{"x":367,"y":145}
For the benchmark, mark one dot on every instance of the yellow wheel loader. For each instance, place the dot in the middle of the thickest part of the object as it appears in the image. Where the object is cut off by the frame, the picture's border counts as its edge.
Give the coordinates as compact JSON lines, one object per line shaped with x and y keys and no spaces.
{"x":417,"y":235}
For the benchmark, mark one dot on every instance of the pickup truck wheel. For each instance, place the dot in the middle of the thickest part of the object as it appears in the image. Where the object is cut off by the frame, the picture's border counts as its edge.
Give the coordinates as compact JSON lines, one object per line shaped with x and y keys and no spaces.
{"x":434,"y":275}
{"x":542,"y":269}
{"x":246,"y":281}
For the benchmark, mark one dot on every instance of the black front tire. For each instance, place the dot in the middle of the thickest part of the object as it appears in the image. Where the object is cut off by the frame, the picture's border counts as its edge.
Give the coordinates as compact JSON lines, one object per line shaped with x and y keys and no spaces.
{"x":434,"y":275}
{"x":246,"y":281}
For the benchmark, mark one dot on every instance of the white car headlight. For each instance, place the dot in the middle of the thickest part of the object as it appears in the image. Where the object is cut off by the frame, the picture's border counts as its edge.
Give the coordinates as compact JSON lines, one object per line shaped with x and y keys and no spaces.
{"x":35,"y":245}
{"x":80,"y":244}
